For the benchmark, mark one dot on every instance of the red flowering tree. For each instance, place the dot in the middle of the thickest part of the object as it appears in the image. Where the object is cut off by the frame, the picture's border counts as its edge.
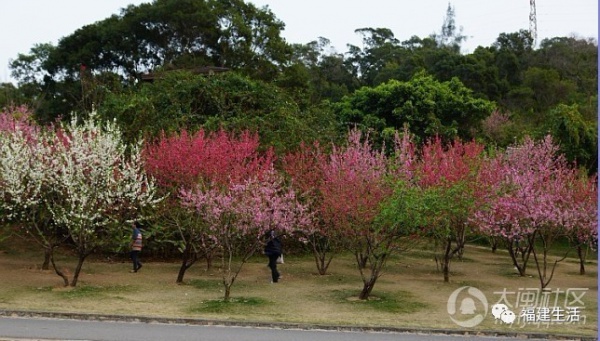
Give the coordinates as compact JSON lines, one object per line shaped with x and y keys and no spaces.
{"x":501,"y":180}
{"x":445,"y":176}
{"x":239,"y":217}
{"x":304,"y":168}
{"x":354,"y":186}
{"x":186,"y":160}
{"x":583,"y":217}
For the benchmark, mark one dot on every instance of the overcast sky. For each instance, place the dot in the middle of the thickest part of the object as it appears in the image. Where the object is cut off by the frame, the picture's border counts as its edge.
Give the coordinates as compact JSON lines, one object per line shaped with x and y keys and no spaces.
{"x":24,"y":23}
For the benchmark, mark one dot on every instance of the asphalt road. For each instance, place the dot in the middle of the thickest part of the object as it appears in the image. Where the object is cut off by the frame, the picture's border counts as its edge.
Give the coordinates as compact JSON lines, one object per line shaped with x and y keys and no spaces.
{"x":60,"y":329}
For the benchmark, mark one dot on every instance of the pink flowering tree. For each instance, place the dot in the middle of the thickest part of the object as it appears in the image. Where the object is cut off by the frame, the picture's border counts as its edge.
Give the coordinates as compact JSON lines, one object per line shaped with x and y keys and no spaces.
{"x":353,"y":189}
{"x":185,"y":161}
{"x":504,"y":200}
{"x":238,"y":218}
{"x":531,"y":205}
{"x":18,"y":118}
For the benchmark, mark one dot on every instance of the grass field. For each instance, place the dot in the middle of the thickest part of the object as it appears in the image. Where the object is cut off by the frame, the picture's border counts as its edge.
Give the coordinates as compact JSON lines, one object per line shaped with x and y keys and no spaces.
{"x":410,"y":294}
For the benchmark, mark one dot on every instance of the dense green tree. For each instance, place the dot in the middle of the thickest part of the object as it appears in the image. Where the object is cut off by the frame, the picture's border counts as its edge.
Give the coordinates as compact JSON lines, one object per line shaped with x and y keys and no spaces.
{"x":179,"y":34}
{"x":480,"y":74}
{"x":180,"y":99}
{"x":105,"y":60}
{"x":577,"y":138}
{"x":167,"y":34}
{"x":380,"y":47}
{"x":427,"y":106}
{"x":574,"y":59}
{"x":316,"y":72}
{"x":10,"y":95}
{"x":513,"y":53}
{"x":547,"y":88}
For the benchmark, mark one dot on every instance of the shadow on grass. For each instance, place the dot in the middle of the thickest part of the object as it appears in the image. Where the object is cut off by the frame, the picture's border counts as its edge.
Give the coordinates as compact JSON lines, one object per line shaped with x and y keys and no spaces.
{"x":235,"y":304}
{"x":205,"y":283}
{"x":399,"y":302}
{"x":86,"y":291}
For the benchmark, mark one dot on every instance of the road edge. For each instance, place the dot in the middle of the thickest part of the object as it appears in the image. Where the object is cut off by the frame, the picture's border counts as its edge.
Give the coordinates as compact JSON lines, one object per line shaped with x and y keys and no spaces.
{"x":285,"y":325}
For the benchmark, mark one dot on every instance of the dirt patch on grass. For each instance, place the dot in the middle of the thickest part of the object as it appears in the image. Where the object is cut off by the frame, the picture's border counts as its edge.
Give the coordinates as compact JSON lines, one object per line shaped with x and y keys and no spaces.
{"x":410,"y":294}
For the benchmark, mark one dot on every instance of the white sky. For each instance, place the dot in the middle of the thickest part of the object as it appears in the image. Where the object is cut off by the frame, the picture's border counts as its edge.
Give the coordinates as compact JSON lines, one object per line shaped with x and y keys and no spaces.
{"x":24,"y":23}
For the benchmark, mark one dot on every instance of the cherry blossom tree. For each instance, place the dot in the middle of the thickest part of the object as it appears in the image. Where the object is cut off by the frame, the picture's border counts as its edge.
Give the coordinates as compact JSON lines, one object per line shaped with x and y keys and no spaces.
{"x":78,"y":181}
{"x":98,"y":185}
{"x":532,"y":202}
{"x":583,"y":217}
{"x":24,"y":183}
{"x":239,"y":217}
{"x":493,"y":218}
{"x":354,"y":187}
{"x":184,"y":161}
{"x":434,"y":193}
{"x":304,"y":167}
{"x":18,"y":118}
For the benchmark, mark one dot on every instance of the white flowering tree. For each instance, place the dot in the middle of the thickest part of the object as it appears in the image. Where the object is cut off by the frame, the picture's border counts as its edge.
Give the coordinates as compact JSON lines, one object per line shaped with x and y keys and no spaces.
{"x":99,"y":184}
{"x":24,"y":183}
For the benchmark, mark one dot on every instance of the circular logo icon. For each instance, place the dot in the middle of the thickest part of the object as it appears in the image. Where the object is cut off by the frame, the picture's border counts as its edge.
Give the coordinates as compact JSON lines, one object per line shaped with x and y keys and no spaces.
{"x":467,"y":306}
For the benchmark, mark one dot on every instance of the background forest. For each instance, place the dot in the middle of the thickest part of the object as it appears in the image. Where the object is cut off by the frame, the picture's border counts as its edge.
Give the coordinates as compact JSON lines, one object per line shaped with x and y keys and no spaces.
{"x":211,"y":64}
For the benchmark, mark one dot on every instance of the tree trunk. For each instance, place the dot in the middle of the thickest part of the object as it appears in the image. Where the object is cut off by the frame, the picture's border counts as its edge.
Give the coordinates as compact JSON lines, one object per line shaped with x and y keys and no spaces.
{"x":227,"y":295}
{"x":362,"y":262}
{"x":209,"y":260}
{"x":513,"y":257}
{"x":188,"y":258}
{"x":446,"y":271}
{"x":542,"y":265}
{"x":460,"y":244}
{"x":367,"y":288}
{"x":513,"y":250}
{"x":376,"y":264}
{"x":494,"y":243}
{"x":446,"y":260}
{"x":320,"y":245}
{"x":182,"y":270}
{"x":322,"y":262}
{"x":47,"y":254}
{"x":58,"y":272}
{"x":582,"y":257}
{"x":78,"y":270}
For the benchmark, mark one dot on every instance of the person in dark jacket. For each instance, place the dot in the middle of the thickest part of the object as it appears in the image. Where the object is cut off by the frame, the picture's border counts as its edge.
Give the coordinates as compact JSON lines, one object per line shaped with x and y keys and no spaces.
{"x":273,"y":250}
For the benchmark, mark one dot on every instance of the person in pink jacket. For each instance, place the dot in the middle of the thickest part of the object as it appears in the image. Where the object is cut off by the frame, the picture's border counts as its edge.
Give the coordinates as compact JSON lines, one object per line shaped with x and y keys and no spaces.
{"x":136,"y":246}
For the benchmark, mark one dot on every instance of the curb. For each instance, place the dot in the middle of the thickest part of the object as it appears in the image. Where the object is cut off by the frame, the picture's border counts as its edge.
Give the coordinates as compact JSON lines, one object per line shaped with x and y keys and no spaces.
{"x":284,"y":325}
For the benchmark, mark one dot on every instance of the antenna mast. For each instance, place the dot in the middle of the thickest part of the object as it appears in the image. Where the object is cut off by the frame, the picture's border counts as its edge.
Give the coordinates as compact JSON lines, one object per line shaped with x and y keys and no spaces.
{"x":532,"y":21}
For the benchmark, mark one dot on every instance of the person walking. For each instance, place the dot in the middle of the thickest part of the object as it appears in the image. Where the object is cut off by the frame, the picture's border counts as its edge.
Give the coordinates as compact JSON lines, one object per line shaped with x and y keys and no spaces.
{"x":136,"y":246}
{"x":273,"y":250}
